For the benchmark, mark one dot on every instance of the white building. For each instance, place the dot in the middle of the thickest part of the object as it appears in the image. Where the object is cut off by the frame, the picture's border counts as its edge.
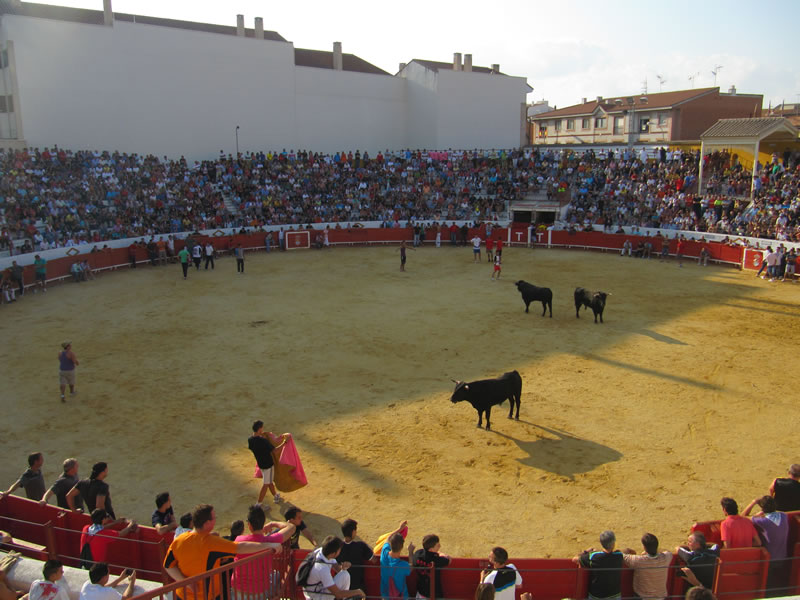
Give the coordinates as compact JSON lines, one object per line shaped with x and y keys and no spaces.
{"x":92,"y":79}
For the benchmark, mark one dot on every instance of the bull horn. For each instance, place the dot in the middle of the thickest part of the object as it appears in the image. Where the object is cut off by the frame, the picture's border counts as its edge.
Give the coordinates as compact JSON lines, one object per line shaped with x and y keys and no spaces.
{"x":453,"y":380}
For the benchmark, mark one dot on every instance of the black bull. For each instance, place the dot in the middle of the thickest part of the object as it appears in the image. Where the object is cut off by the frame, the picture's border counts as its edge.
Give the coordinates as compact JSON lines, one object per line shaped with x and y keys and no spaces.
{"x":485,"y":393}
{"x":594,"y":300}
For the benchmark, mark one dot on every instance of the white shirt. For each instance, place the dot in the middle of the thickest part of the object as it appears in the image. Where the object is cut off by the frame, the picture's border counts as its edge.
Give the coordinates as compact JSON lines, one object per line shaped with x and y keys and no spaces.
{"x":508,"y":592}
{"x":42,"y":589}
{"x":95,"y":591}
{"x":320,"y":578}
{"x":476,"y":243}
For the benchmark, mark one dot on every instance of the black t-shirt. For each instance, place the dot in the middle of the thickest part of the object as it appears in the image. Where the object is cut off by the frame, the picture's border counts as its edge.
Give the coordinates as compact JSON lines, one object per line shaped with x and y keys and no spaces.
{"x":61,"y":488}
{"x":787,"y":494}
{"x":604,"y":578}
{"x":702,"y":563}
{"x":357,"y":553}
{"x":423,"y":559}
{"x":90,"y":489}
{"x":262,"y":451}
{"x":294,"y":541}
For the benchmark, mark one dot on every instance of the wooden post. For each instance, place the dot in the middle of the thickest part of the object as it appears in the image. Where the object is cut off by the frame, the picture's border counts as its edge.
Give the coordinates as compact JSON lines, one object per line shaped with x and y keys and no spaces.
{"x":52,"y":551}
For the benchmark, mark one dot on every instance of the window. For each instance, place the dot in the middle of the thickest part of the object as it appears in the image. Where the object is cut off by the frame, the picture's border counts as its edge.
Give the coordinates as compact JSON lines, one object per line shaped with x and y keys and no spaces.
{"x":570,"y":124}
{"x":662,"y":119}
{"x":558,"y":124}
{"x":644,"y":125}
{"x":600,"y":123}
{"x":543,"y":131}
{"x":585,"y":123}
{"x":619,"y":125}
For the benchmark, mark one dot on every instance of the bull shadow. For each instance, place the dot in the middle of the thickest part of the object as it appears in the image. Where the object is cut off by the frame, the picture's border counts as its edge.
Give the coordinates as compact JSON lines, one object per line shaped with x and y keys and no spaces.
{"x":660,"y":337}
{"x":563,"y":454}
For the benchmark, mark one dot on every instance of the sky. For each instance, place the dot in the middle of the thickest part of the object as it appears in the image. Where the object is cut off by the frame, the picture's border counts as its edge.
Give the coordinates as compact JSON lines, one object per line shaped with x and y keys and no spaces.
{"x":566,"y":49}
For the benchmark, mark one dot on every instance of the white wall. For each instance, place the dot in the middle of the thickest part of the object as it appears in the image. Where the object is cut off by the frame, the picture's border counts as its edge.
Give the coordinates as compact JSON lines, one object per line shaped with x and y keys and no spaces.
{"x":167,"y":91}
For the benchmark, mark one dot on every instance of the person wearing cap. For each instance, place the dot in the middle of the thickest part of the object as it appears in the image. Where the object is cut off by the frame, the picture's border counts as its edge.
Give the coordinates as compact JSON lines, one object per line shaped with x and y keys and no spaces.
{"x":67,"y":363}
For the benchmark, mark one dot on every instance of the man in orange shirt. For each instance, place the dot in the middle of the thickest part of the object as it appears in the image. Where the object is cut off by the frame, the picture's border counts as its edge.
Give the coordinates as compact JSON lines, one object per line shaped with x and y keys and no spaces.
{"x":736,"y":530}
{"x":200,"y":550}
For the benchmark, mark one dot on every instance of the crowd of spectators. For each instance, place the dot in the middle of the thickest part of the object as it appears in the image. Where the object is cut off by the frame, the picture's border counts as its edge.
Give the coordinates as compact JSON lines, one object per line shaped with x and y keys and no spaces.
{"x":57,"y":197}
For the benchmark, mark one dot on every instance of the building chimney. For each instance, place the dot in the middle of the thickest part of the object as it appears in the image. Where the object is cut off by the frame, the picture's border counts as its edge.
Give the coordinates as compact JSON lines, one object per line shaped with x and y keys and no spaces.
{"x":732,"y":91}
{"x":259,"y":28}
{"x":495,"y":68}
{"x":240,"y":25}
{"x":456,"y":61}
{"x":583,"y":100}
{"x":402,"y":66}
{"x":599,"y":99}
{"x":337,"y":56}
{"x":468,"y":63}
{"x":108,"y":15}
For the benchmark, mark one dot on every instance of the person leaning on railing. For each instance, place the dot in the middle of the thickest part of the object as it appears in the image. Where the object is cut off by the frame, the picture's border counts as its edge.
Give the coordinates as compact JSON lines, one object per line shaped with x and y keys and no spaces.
{"x":99,"y":588}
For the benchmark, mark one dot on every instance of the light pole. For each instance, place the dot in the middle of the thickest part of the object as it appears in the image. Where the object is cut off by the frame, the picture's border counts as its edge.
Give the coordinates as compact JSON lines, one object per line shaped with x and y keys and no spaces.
{"x":237,"y":141}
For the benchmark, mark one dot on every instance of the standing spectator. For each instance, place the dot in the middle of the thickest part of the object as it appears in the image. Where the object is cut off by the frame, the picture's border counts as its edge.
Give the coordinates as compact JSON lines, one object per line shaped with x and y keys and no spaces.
{"x":132,"y":254}
{"x":9,"y":295}
{"x":426,"y":557}
{"x":702,"y":260}
{"x":62,"y":486}
{"x":163,"y":518}
{"x":67,"y":361}
{"x":650,"y":569}
{"x":786,"y":490}
{"x":322,"y":585}
{"x":197,"y":255}
{"x":199,"y":551}
{"x":453,"y":233}
{"x":464,"y":234}
{"x":161,"y":246}
{"x":773,"y":260}
{"x":664,"y":250}
{"x":209,"y":254}
{"x":498,"y":266}
{"x":18,"y":277}
{"x":355,"y":552}
{"x":94,"y":491}
{"x":183,"y":257}
{"x":489,"y":249}
{"x":52,"y":586}
{"x":604,"y":568}
{"x":735,"y":530}
{"x":259,"y":578}
{"x":701,"y":561}
{"x":260,"y":444}
{"x":503,"y":575}
{"x":170,"y":247}
{"x":98,"y":587}
{"x":773,"y":528}
{"x":403,"y":257}
{"x":791,"y":265}
{"x":238,"y":252}
{"x":679,"y":250}
{"x":31,"y":480}
{"x":499,"y":247}
{"x":394,"y":570}
{"x":40,"y":271}
{"x":294,"y":516}
{"x":268,"y":241}
{"x":282,"y":239}
{"x":476,"y":248}
{"x":764,"y":261}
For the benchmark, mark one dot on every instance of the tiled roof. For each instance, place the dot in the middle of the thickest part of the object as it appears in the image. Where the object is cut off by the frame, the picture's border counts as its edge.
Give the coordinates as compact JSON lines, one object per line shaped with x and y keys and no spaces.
{"x":435,"y":65}
{"x":323,"y":59}
{"x":95,"y":17}
{"x":654,"y":101}
{"x":746,"y":127}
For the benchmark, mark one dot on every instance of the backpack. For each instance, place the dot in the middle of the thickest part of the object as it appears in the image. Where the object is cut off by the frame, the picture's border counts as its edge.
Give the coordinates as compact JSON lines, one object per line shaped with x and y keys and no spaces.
{"x":304,"y":570}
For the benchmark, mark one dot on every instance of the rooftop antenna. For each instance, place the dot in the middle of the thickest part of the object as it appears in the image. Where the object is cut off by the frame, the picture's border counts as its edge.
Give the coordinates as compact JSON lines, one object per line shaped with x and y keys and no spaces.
{"x":661,"y":81}
{"x":644,"y":86}
{"x":715,"y":72}
{"x":693,"y":77}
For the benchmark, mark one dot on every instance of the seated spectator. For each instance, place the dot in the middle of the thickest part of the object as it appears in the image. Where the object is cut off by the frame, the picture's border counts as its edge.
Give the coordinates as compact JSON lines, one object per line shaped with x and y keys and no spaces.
{"x":321,"y":583}
{"x":773,"y":529}
{"x":52,"y":586}
{"x":735,"y":530}
{"x":97,"y":537}
{"x":251,"y":578}
{"x":184,"y":524}
{"x":31,"y":480}
{"x":627,"y":248}
{"x":786,"y":490}
{"x":99,"y":588}
{"x":651,"y":569}
{"x":76,"y":271}
{"x":355,"y":552}
{"x":395,"y":570}
{"x":163,"y":518}
{"x":502,"y":574}
{"x":701,"y":561}
{"x":700,"y":593}
{"x":62,"y":486}
{"x":426,"y":557}
{"x":9,"y":294}
{"x":237,"y":529}
{"x":704,"y":256}
{"x":604,"y":568}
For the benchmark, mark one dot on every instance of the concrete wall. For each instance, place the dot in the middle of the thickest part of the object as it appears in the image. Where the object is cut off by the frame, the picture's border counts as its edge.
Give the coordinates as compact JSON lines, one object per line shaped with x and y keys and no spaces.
{"x":151,"y":89}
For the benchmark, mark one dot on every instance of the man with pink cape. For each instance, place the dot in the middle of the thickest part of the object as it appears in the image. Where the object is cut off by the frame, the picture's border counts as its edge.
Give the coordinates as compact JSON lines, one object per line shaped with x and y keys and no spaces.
{"x":277,"y":462}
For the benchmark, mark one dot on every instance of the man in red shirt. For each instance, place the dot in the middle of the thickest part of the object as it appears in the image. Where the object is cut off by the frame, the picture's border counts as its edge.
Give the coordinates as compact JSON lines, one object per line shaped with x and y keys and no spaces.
{"x":737,"y":531}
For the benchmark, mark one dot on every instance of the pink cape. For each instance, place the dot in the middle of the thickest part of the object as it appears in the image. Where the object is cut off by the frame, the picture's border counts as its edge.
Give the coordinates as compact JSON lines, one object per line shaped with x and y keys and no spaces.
{"x":289,"y":473}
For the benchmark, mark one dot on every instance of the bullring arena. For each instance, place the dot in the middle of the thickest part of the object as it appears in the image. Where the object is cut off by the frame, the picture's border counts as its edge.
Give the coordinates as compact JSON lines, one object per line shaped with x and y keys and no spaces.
{"x":685,"y":394}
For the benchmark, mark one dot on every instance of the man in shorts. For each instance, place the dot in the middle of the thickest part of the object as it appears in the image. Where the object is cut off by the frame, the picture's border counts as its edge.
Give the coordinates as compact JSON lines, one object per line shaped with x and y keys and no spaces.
{"x":497,"y":266}
{"x":476,"y":249}
{"x":260,"y":445}
{"x":40,"y":265}
{"x":67,"y":363}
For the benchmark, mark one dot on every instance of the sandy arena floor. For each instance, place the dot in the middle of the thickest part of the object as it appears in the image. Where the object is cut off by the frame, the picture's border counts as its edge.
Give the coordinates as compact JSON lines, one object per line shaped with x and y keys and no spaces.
{"x":686,"y":393}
